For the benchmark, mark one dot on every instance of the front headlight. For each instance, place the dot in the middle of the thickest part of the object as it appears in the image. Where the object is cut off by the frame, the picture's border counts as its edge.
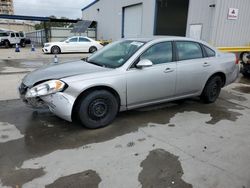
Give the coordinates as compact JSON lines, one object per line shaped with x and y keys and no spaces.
{"x":46,"y":88}
{"x":46,"y":45}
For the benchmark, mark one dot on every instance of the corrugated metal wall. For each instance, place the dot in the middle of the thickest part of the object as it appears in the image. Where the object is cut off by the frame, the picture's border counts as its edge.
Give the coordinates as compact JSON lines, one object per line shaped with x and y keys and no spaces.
{"x":108,"y":14}
{"x":216,"y":28}
{"x":200,"y":13}
{"x":231,"y":32}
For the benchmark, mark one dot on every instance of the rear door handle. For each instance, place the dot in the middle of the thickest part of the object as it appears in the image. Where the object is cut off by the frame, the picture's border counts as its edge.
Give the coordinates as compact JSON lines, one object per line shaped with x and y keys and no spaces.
{"x":206,"y":64}
{"x":168,"y":70}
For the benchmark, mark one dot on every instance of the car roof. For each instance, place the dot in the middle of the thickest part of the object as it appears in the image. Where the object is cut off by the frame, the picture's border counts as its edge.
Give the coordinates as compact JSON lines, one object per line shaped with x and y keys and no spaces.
{"x":148,"y":39}
{"x":162,"y":38}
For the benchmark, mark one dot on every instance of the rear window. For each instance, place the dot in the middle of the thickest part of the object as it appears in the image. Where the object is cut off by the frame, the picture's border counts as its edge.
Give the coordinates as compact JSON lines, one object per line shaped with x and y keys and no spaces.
{"x":21,"y":34}
{"x":209,"y":51}
{"x":188,"y":50}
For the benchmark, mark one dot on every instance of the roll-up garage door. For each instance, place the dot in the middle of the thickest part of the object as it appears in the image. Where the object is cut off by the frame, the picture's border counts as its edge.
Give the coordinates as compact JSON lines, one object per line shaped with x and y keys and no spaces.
{"x":132,"y":21}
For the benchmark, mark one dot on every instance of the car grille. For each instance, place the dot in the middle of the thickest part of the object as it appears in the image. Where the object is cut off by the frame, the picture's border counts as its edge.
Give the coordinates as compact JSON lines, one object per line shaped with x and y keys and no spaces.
{"x":23,"y":89}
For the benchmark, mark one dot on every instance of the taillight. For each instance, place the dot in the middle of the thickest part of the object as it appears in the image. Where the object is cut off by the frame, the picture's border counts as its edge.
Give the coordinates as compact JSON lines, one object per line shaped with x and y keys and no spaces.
{"x":236,"y":59}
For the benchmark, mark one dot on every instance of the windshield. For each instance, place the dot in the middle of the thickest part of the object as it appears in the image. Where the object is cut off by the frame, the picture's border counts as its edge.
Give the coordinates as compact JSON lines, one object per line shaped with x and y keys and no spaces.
{"x":115,"y":54}
{"x":4,"y":34}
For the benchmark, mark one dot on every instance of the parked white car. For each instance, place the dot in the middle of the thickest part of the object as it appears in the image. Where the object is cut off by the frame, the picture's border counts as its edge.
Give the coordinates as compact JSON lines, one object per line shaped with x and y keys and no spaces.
{"x":72,"y":44}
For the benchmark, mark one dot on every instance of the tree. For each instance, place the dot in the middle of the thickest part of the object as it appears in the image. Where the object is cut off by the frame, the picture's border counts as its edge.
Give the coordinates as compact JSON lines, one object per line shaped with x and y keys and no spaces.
{"x":53,"y":24}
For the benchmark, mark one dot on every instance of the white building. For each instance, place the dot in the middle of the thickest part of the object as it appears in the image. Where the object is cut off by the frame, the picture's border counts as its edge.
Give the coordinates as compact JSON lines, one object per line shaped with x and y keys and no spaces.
{"x":219,"y":22}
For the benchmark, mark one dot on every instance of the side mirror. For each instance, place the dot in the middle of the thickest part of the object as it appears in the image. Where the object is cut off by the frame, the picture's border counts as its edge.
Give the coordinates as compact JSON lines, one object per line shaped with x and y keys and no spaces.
{"x":67,"y":41}
{"x":144,"y":63}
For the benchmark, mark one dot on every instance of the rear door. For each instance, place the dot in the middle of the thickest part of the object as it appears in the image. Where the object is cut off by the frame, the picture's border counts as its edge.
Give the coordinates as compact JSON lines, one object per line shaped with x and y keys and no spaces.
{"x":18,"y":39}
{"x":84,"y":44}
{"x":192,"y":68}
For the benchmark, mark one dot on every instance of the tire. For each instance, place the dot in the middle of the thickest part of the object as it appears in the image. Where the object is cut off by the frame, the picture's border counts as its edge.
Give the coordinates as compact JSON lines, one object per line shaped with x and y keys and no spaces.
{"x":243,"y":56}
{"x":22,"y":44}
{"x":212,"y":89}
{"x":245,"y":74}
{"x":92,"y":49}
{"x":7,"y":44}
{"x":55,"y":50}
{"x":97,"y":109}
{"x":246,"y":71}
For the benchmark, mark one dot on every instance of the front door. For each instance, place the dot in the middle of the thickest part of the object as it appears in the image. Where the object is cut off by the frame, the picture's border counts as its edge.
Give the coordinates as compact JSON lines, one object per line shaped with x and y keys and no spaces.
{"x":72,"y":45}
{"x":13,"y":39}
{"x":153,"y":83}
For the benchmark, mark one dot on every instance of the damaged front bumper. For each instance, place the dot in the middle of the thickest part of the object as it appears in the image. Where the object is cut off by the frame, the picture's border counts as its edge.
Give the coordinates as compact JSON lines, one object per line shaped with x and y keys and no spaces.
{"x":61,"y":104}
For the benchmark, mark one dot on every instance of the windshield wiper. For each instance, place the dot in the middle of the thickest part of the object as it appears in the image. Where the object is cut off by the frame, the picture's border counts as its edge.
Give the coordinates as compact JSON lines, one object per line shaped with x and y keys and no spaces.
{"x":94,"y":63}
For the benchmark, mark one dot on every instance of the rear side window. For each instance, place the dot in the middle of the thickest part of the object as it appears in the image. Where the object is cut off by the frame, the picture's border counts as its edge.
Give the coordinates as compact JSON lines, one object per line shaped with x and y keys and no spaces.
{"x":17,"y":34}
{"x":209,"y":51}
{"x":159,"y":53}
{"x":82,"y":39}
{"x":12,"y":35}
{"x":188,"y":50}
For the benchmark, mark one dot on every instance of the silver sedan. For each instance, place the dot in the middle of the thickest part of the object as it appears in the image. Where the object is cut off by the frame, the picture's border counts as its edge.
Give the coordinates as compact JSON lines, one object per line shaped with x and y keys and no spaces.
{"x":129,"y":74}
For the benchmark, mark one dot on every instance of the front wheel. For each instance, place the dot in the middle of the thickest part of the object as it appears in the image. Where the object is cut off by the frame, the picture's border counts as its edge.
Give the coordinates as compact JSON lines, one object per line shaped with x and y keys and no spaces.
{"x":212,"y":89}
{"x":55,"y":50}
{"x":7,"y":44}
{"x":97,"y":109}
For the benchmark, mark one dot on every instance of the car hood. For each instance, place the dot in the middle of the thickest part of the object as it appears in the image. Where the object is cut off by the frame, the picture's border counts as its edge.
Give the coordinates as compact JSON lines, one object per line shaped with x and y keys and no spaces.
{"x":54,"y":43}
{"x":61,"y":70}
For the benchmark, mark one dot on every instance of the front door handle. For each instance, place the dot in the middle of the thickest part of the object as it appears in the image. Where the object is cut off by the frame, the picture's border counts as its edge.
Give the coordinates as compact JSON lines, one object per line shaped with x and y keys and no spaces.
{"x":206,"y":64}
{"x":168,"y":70}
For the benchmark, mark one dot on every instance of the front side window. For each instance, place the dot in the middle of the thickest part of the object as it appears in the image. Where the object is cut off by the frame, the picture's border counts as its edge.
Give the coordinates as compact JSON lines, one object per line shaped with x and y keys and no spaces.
{"x":188,"y":50}
{"x":159,"y":53}
{"x":74,"y":39}
{"x":115,"y":54}
{"x":82,"y":39}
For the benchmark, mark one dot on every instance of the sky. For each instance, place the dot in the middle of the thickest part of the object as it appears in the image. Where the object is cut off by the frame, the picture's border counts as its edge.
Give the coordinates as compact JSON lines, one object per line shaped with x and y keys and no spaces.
{"x":59,"y":8}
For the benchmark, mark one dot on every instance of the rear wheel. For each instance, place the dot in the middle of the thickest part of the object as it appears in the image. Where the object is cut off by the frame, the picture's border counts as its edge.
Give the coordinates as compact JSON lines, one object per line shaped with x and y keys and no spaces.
{"x":22,"y":44}
{"x":92,"y":49}
{"x":55,"y":50}
{"x":97,"y":109}
{"x":212,"y":89}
